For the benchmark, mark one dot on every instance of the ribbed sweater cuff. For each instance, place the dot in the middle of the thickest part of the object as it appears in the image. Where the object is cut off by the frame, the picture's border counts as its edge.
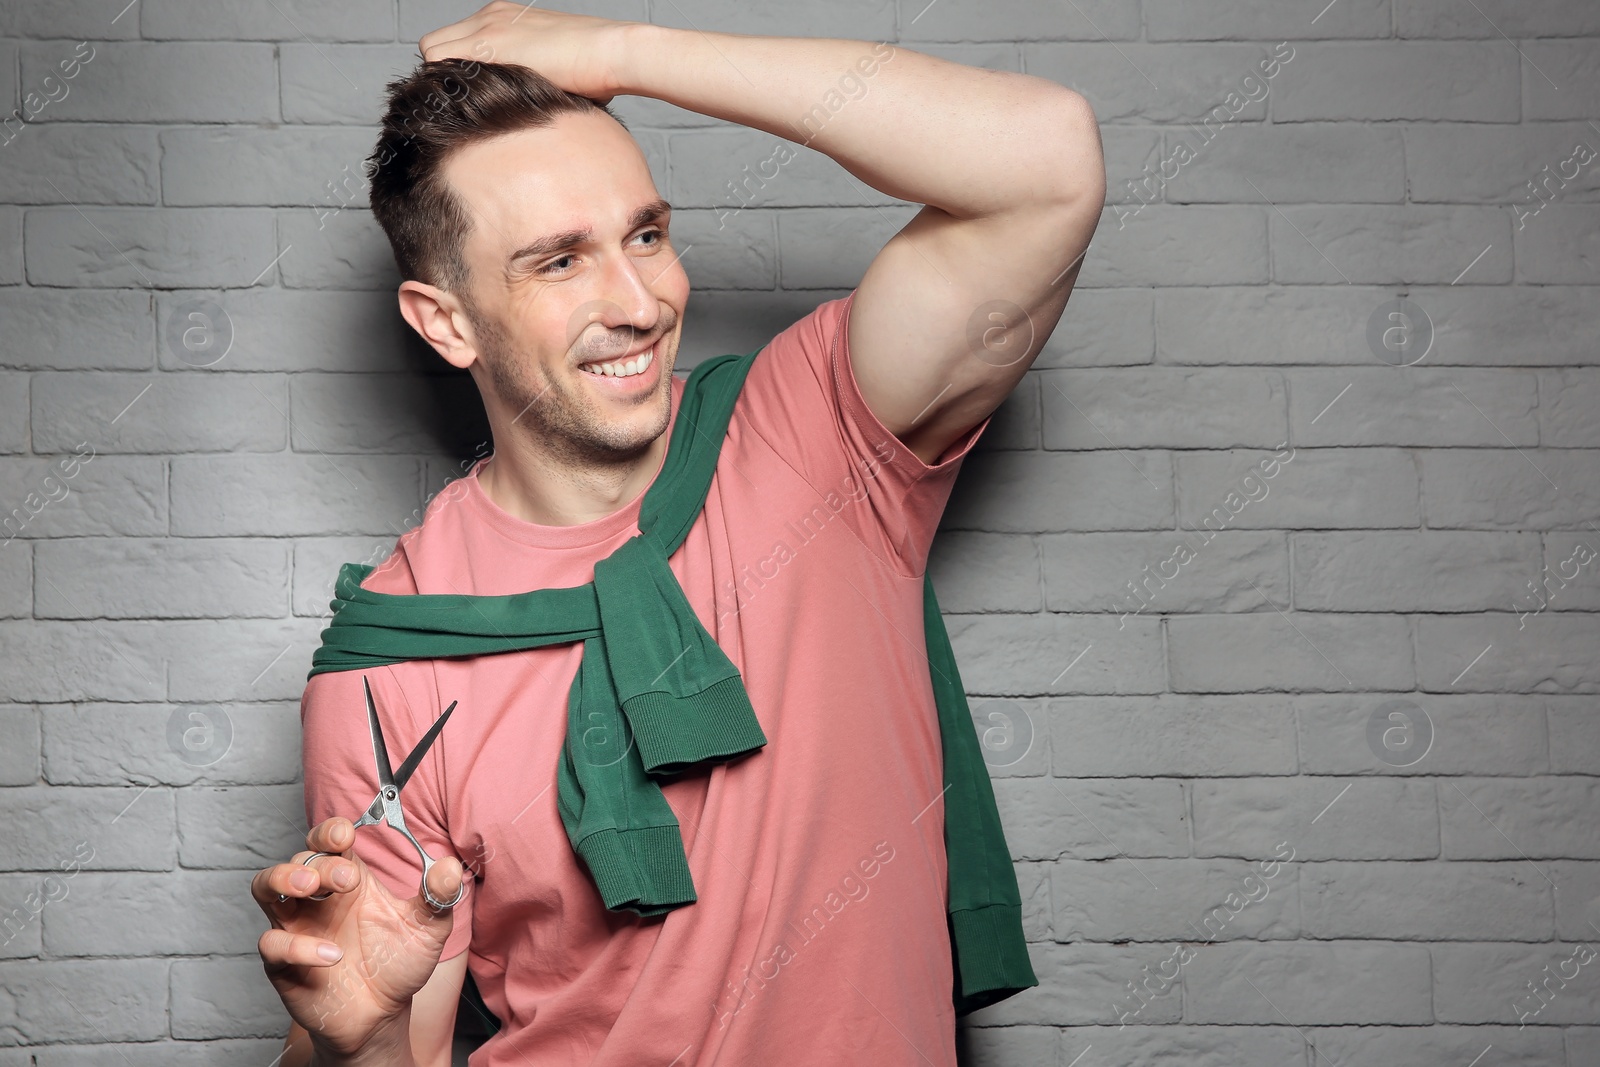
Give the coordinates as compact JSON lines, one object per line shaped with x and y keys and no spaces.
{"x":990,"y":955}
{"x":643,"y":869}
{"x":674,"y":733}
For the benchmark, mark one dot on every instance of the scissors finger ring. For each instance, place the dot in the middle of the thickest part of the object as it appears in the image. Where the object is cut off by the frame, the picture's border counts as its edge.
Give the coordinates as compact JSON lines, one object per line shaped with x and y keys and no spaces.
{"x":284,"y":900}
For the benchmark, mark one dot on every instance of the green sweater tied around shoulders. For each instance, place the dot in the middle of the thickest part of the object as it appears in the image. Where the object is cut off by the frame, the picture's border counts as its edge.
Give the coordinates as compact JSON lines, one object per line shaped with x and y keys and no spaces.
{"x":655,"y":696}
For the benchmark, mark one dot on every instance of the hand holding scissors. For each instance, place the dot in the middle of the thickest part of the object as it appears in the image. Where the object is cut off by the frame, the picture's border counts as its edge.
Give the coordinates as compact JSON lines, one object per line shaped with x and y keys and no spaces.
{"x":347,"y":969}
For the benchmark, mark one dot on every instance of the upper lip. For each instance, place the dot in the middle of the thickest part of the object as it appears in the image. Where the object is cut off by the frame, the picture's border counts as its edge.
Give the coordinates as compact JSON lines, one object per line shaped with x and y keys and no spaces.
{"x":619,"y":359}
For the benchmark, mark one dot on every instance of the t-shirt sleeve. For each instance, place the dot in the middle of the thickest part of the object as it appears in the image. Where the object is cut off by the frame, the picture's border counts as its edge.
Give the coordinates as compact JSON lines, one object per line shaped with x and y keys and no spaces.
{"x":802,"y":397}
{"x":341,"y":776}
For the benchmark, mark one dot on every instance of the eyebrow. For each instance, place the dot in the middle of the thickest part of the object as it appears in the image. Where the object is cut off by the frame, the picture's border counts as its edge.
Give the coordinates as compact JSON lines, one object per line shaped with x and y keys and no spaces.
{"x":655,"y":211}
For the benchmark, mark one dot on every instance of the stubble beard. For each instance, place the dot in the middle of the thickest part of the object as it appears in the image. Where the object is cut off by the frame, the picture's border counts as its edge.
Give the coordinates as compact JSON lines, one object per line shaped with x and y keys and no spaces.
{"x":564,"y":422}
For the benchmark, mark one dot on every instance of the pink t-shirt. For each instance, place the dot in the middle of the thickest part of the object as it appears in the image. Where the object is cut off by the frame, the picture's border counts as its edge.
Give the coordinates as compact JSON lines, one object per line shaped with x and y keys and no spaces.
{"x":819,"y":935}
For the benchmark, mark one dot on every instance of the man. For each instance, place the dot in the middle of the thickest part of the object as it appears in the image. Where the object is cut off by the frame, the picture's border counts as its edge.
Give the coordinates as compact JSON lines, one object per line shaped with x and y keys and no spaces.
{"x":537,"y":255}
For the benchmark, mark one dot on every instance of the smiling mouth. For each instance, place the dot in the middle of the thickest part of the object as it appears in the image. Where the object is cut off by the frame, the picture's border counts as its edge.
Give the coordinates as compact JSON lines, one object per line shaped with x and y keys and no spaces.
{"x":622,"y":367}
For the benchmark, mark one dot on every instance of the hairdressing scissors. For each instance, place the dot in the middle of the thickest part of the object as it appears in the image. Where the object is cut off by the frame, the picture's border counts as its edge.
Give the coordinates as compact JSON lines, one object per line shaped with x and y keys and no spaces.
{"x":385,"y":806}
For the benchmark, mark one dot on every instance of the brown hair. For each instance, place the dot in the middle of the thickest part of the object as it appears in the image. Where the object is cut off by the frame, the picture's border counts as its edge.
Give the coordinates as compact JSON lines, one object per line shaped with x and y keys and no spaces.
{"x":439,"y":107}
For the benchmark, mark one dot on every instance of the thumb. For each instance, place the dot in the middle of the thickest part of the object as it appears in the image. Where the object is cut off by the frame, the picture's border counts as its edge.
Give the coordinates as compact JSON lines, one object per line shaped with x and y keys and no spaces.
{"x":443,"y":881}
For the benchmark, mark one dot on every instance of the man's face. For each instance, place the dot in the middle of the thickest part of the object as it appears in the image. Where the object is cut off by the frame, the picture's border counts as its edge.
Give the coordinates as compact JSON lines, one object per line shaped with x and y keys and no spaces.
{"x":548,"y":304}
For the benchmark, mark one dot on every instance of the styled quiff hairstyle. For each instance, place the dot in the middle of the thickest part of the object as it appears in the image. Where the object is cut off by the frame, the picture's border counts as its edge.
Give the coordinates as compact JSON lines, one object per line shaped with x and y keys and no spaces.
{"x":439,"y":107}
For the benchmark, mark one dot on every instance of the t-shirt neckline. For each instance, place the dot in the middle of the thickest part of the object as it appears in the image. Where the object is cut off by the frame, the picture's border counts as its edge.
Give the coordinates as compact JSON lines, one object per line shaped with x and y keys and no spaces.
{"x":588,"y":533}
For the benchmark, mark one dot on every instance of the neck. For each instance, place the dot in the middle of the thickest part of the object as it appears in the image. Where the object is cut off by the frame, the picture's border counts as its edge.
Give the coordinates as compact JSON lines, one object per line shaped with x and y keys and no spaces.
{"x":536,"y":486}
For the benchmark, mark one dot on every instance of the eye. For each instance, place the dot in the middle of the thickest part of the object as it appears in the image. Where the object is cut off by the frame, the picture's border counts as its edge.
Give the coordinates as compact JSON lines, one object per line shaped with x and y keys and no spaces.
{"x":550,"y":267}
{"x":660,"y":235}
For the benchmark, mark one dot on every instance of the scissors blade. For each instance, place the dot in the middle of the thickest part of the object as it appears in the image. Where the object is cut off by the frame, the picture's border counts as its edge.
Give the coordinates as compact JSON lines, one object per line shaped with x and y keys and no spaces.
{"x":403,"y":775}
{"x":380,"y":751}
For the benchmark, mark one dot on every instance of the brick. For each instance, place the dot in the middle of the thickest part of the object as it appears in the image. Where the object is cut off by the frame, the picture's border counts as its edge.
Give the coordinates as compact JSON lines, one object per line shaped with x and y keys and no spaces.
{"x":284,"y":20}
{"x":1582,"y":1043}
{"x":73,"y":163}
{"x":84,"y":1000}
{"x":1131,"y":154}
{"x":1497,"y":489}
{"x":1158,"y":82}
{"x":1564,"y":249}
{"x":16,"y":580}
{"x":1087,"y":983}
{"x":1307,"y":490}
{"x":217,"y":1053}
{"x":1222,"y":408}
{"x":316,"y":567}
{"x":1405,"y":570}
{"x":14,"y":429}
{"x":240,"y":828}
{"x":1102,"y":327}
{"x":1437,"y":80}
{"x":1168,"y":245}
{"x":69,"y":18}
{"x":288,"y":330}
{"x":872,"y":20}
{"x":1014,"y":20}
{"x":1414,"y":405}
{"x":228,"y":997}
{"x":1532,"y":1047}
{"x":1426,"y":901}
{"x":10,"y":247}
{"x":1519,"y":819}
{"x":1311,"y":983}
{"x":135,"y":914}
{"x":239,"y":659}
{"x":220,"y":496}
{"x":384,"y":413}
{"x":1546,"y":653}
{"x":1494,"y":18}
{"x":97,"y":829}
{"x":19,"y":744}
{"x":119,"y":744}
{"x":1390,"y":245}
{"x":833,"y":248}
{"x":985,"y":572}
{"x":1567,"y":400}
{"x":24,"y":898}
{"x":1023,"y":655}
{"x":1268,"y":651}
{"x":1149,"y":572}
{"x":1319,"y":818}
{"x":1574,"y":733}
{"x":1558,"y":81}
{"x":218,"y":412}
{"x":1300,"y":324}
{"x":71,"y":330}
{"x":315,"y":168}
{"x":739,"y":250}
{"x":1221,"y":20}
{"x":119,"y":578}
{"x":1096,"y":491}
{"x":1301,"y":163}
{"x":1033,"y":885}
{"x":104,"y":495}
{"x":1171,"y":735}
{"x":340,"y":83}
{"x":55,"y":661}
{"x":1476,"y":163}
{"x":1487,"y":982}
{"x":1105,"y":901}
{"x":1015,"y":738}
{"x":1199,"y":1046}
{"x":344,"y":251}
{"x":1505,"y":326}
{"x":126,"y":81}
{"x":1047,"y":819}
{"x":1470,"y":735}
{"x":1577,"y":895}
{"x":119,"y":247}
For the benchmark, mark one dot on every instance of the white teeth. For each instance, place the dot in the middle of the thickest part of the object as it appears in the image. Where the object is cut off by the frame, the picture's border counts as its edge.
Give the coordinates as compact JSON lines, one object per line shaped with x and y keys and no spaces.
{"x":623,"y":370}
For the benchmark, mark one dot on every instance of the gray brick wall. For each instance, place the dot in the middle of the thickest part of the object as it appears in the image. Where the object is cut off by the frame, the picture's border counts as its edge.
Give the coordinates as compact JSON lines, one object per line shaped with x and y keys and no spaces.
{"x":1165,"y":729}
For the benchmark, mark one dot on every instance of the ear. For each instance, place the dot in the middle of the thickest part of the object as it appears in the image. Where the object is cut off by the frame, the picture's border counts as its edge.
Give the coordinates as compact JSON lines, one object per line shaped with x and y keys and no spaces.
{"x":437,"y":316}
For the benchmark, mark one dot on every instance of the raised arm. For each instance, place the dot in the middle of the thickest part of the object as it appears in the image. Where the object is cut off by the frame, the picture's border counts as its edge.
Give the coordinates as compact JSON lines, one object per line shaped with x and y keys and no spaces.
{"x":955,"y":307}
